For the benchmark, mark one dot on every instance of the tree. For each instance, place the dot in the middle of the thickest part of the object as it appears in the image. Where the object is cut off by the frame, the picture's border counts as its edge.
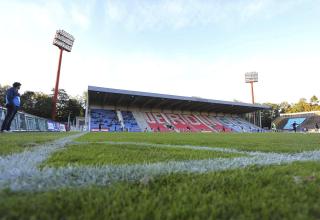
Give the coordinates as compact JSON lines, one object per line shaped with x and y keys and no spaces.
{"x":40,"y":104}
{"x":62,"y":102}
{"x":314,"y":100}
{"x":73,"y":109}
{"x":3,"y":90}
{"x":67,"y":106}
{"x":43,"y":105}
{"x":267,"y":116}
{"x":28,"y":101}
{"x":284,"y":107}
{"x":301,"y":106}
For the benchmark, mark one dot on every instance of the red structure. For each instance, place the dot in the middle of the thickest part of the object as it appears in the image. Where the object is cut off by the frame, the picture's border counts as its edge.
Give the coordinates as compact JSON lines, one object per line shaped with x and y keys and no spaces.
{"x":251,"y":77}
{"x":63,"y":41}
{"x":56,"y":88}
{"x":252,"y":93}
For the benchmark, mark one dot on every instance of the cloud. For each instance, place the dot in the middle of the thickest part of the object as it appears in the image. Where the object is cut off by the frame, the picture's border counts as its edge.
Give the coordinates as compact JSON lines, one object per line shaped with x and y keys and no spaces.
{"x":176,"y":14}
{"x":45,"y":15}
{"x":81,"y":14}
{"x":281,"y":77}
{"x":27,"y":53}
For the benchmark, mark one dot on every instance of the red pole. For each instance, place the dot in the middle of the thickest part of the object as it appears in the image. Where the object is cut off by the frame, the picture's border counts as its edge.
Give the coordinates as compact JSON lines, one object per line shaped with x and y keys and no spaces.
{"x":252,"y":94}
{"x":54,"y":100}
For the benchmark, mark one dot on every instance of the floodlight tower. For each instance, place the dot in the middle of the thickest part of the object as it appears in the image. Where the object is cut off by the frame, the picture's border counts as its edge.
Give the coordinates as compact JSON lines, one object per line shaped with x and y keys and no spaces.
{"x":63,"y":41}
{"x":252,"y":77}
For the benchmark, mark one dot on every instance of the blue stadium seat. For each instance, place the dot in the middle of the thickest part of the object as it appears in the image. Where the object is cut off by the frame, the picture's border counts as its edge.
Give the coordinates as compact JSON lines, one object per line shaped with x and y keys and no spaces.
{"x":290,"y":122}
{"x":130,"y":122}
{"x":106,"y":118}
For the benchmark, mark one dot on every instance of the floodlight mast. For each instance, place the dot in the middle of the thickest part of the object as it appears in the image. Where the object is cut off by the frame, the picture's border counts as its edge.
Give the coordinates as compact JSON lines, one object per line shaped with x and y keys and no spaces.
{"x":64,"y":41}
{"x":252,"y":93}
{"x":252,"y":77}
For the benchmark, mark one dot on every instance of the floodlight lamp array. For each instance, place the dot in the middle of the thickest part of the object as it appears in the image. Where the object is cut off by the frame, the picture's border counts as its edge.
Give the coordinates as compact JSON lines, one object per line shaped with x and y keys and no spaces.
{"x":63,"y":40}
{"x":251,"y":77}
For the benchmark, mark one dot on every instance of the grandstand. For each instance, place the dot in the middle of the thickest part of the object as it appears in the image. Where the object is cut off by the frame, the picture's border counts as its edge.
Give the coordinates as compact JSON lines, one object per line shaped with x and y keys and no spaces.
{"x":305,"y":121}
{"x":123,"y":110}
{"x":105,"y":120}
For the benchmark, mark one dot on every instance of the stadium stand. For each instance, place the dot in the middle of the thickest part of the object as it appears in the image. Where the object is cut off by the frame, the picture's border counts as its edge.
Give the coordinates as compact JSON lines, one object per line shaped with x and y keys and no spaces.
{"x":104,"y":120}
{"x":130,"y":122}
{"x":178,"y":123}
{"x":140,"y":111}
{"x":228,"y":122}
{"x":157,"y":122}
{"x":212,"y":122}
{"x":305,"y":121}
{"x":290,"y":122}
{"x":196,"y":123}
{"x":245,"y":125}
{"x":142,"y":123}
{"x":310,"y":122}
{"x":165,"y":122}
{"x":120,"y":118}
{"x":280,"y":122}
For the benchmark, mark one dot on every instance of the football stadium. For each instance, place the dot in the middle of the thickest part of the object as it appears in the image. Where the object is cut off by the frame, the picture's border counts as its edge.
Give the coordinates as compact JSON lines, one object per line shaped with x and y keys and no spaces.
{"x":155,"y":156}
{"x":142,"y":126}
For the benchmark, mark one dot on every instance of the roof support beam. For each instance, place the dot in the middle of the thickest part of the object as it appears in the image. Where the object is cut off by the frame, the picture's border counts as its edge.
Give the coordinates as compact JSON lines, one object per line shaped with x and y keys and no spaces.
{"x":147,"y":103}
{"x":179,"y":105}
{"x":159,"y":105}
{"x":174,"y":104}
{"x":105,"y":97}
{"x":198,"y":107}
{"x":134,"y":100}
{"x":119,"y":100}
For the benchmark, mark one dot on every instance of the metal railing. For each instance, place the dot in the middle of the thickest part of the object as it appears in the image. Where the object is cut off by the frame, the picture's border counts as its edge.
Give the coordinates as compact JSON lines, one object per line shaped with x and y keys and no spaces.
{"x":27,"y":122}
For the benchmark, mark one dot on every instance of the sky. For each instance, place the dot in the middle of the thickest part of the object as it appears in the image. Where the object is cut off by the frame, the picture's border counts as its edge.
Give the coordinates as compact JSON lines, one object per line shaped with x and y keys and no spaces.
{"x":199,"y":48}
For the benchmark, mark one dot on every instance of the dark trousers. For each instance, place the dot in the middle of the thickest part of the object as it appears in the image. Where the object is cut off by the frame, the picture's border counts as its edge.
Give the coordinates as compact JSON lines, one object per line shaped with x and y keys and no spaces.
{"x":11,"y":112}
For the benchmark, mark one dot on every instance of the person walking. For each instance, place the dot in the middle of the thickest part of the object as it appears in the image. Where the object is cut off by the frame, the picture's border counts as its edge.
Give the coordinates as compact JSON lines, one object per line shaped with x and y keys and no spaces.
{"x":12,"y":104}
{"x":294,"y":126}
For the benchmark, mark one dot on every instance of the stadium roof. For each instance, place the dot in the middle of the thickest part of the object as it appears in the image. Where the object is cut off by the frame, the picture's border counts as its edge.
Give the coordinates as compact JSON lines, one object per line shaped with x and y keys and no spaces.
{"x":145,"y":100}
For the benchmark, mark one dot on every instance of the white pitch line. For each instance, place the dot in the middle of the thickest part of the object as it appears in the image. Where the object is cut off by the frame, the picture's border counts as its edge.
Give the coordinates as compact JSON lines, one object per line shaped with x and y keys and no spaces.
{"x":23,"y":174}
{"x":190,"y":147}
{"x":25,"y":164}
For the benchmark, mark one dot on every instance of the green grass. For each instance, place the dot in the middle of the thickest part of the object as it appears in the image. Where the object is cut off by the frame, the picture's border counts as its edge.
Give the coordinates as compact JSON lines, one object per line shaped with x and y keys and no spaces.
{"x":267,"y":142}
{"x":275,"y":192}
{"x":102,"y":154}
{"x":17,"y":142}
{"x":272,"y":192}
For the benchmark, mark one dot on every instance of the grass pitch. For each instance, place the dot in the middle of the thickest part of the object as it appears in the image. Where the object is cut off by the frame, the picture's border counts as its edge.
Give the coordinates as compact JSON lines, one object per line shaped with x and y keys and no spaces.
{"x":256,"y":192}
{"x":275,"y":192}
{"x":97,"y":154}
{"x":16,"y":142}
{"x":267,"y":142}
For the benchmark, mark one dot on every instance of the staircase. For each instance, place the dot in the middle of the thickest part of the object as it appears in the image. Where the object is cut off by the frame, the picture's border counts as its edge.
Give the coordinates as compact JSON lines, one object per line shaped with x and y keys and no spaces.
{"x":310,"y":122}
{"x":120,"y":118}
{"x":280,"y":122}
{"x":141,"y":121}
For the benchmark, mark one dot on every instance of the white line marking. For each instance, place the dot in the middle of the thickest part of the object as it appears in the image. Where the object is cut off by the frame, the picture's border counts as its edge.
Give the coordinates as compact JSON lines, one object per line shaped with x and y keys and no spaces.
{"x":19,"y":172}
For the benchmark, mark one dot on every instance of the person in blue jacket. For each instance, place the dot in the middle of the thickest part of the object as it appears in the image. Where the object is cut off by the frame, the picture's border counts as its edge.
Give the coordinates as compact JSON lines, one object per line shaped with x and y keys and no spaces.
{"x":12,"y":104}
